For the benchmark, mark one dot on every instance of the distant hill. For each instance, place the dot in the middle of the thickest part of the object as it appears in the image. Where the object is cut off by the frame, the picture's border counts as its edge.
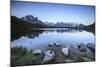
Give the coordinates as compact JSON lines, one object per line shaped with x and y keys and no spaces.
{"x":90,"y":28}
{"x":21,"y":27}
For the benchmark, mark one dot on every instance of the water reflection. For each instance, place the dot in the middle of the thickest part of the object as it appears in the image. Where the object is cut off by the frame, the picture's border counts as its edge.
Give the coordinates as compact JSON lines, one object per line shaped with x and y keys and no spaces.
{"x":34,"y":33}
{"x":39,"y":39}
{"x":37,"y":32}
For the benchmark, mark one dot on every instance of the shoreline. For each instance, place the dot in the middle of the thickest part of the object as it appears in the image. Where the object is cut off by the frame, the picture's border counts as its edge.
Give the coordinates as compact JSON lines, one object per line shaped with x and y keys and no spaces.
{"x":56,"y":53}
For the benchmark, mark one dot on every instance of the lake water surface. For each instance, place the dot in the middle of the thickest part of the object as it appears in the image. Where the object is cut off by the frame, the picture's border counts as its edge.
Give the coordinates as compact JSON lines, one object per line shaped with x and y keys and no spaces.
{"x":39,"y":39}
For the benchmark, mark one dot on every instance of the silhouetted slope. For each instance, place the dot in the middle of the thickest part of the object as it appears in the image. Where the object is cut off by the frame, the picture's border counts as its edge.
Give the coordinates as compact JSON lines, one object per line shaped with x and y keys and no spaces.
{"x":90,"y":28}
{"x":21,"y":27}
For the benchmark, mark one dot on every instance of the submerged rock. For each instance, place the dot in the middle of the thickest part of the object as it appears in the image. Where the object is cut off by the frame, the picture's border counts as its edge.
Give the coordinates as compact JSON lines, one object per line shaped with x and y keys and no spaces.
{"x":37,"y":51}
{"x":49,"y":55}
{"x":65,"y":51}
{"x":57,"y":44}
{"x":50,"y":44}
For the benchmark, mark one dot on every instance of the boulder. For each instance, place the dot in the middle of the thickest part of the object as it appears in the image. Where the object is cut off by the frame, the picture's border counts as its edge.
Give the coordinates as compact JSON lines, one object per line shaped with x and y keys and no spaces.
{"x":87,"y":52}
{"x":90,"y":54}
{"x":82,"y":47}
{"x":57,"y":44}
{"x":73,"y":52}
{"x":50,"y":44}
{"x":37,"y":51}
{"x":91,"y":46}
{"x":49,"y":55}
{"x":65,"y":51}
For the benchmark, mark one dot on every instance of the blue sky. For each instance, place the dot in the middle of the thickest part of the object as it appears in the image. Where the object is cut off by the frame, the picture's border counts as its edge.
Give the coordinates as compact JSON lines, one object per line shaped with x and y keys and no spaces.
{"x":54,"y":12}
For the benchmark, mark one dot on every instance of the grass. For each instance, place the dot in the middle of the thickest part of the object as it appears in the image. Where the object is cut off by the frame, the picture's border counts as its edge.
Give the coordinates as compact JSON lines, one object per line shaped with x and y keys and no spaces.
{"x":79,"y":57}
{"x":21,"y":56}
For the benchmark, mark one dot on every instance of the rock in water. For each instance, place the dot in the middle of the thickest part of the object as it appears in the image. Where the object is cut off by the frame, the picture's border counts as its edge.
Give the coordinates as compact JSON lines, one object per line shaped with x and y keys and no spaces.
{"x":73,"y":52}
{"x":65,"y":51}
{"x":91,"y":46}
{"x":90,"y":54}
{"x":50,"y":44}
{"x":57,"y":44}
{"x":87,"y":52}
{"x":37,"y":51}
{"x":82,"y":47}
{"x":49,"y":55}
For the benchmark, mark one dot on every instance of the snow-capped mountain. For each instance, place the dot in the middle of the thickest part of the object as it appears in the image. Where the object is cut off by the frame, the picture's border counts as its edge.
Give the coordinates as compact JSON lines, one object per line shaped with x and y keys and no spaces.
{"x":35,"y":20}
{"x":31,"y":19}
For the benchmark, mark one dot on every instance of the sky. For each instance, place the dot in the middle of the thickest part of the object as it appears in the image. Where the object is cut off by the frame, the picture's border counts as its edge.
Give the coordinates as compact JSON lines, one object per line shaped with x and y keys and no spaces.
{"x":50,"y":12}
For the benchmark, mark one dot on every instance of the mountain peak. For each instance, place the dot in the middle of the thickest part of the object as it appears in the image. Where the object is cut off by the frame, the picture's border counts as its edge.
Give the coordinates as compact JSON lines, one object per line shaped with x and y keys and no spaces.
{"x":30,"y":18}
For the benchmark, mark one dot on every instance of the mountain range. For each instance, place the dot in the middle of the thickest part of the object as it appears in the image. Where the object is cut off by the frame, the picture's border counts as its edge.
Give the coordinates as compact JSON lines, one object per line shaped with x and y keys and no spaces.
{"x":39,"y":23}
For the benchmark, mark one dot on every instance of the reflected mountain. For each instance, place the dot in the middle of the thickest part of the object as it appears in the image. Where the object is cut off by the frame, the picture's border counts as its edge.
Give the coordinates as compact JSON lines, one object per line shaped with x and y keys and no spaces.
{"x":90,"y":28}
{"x":34,"y":34}
{"x":38,"y":32}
